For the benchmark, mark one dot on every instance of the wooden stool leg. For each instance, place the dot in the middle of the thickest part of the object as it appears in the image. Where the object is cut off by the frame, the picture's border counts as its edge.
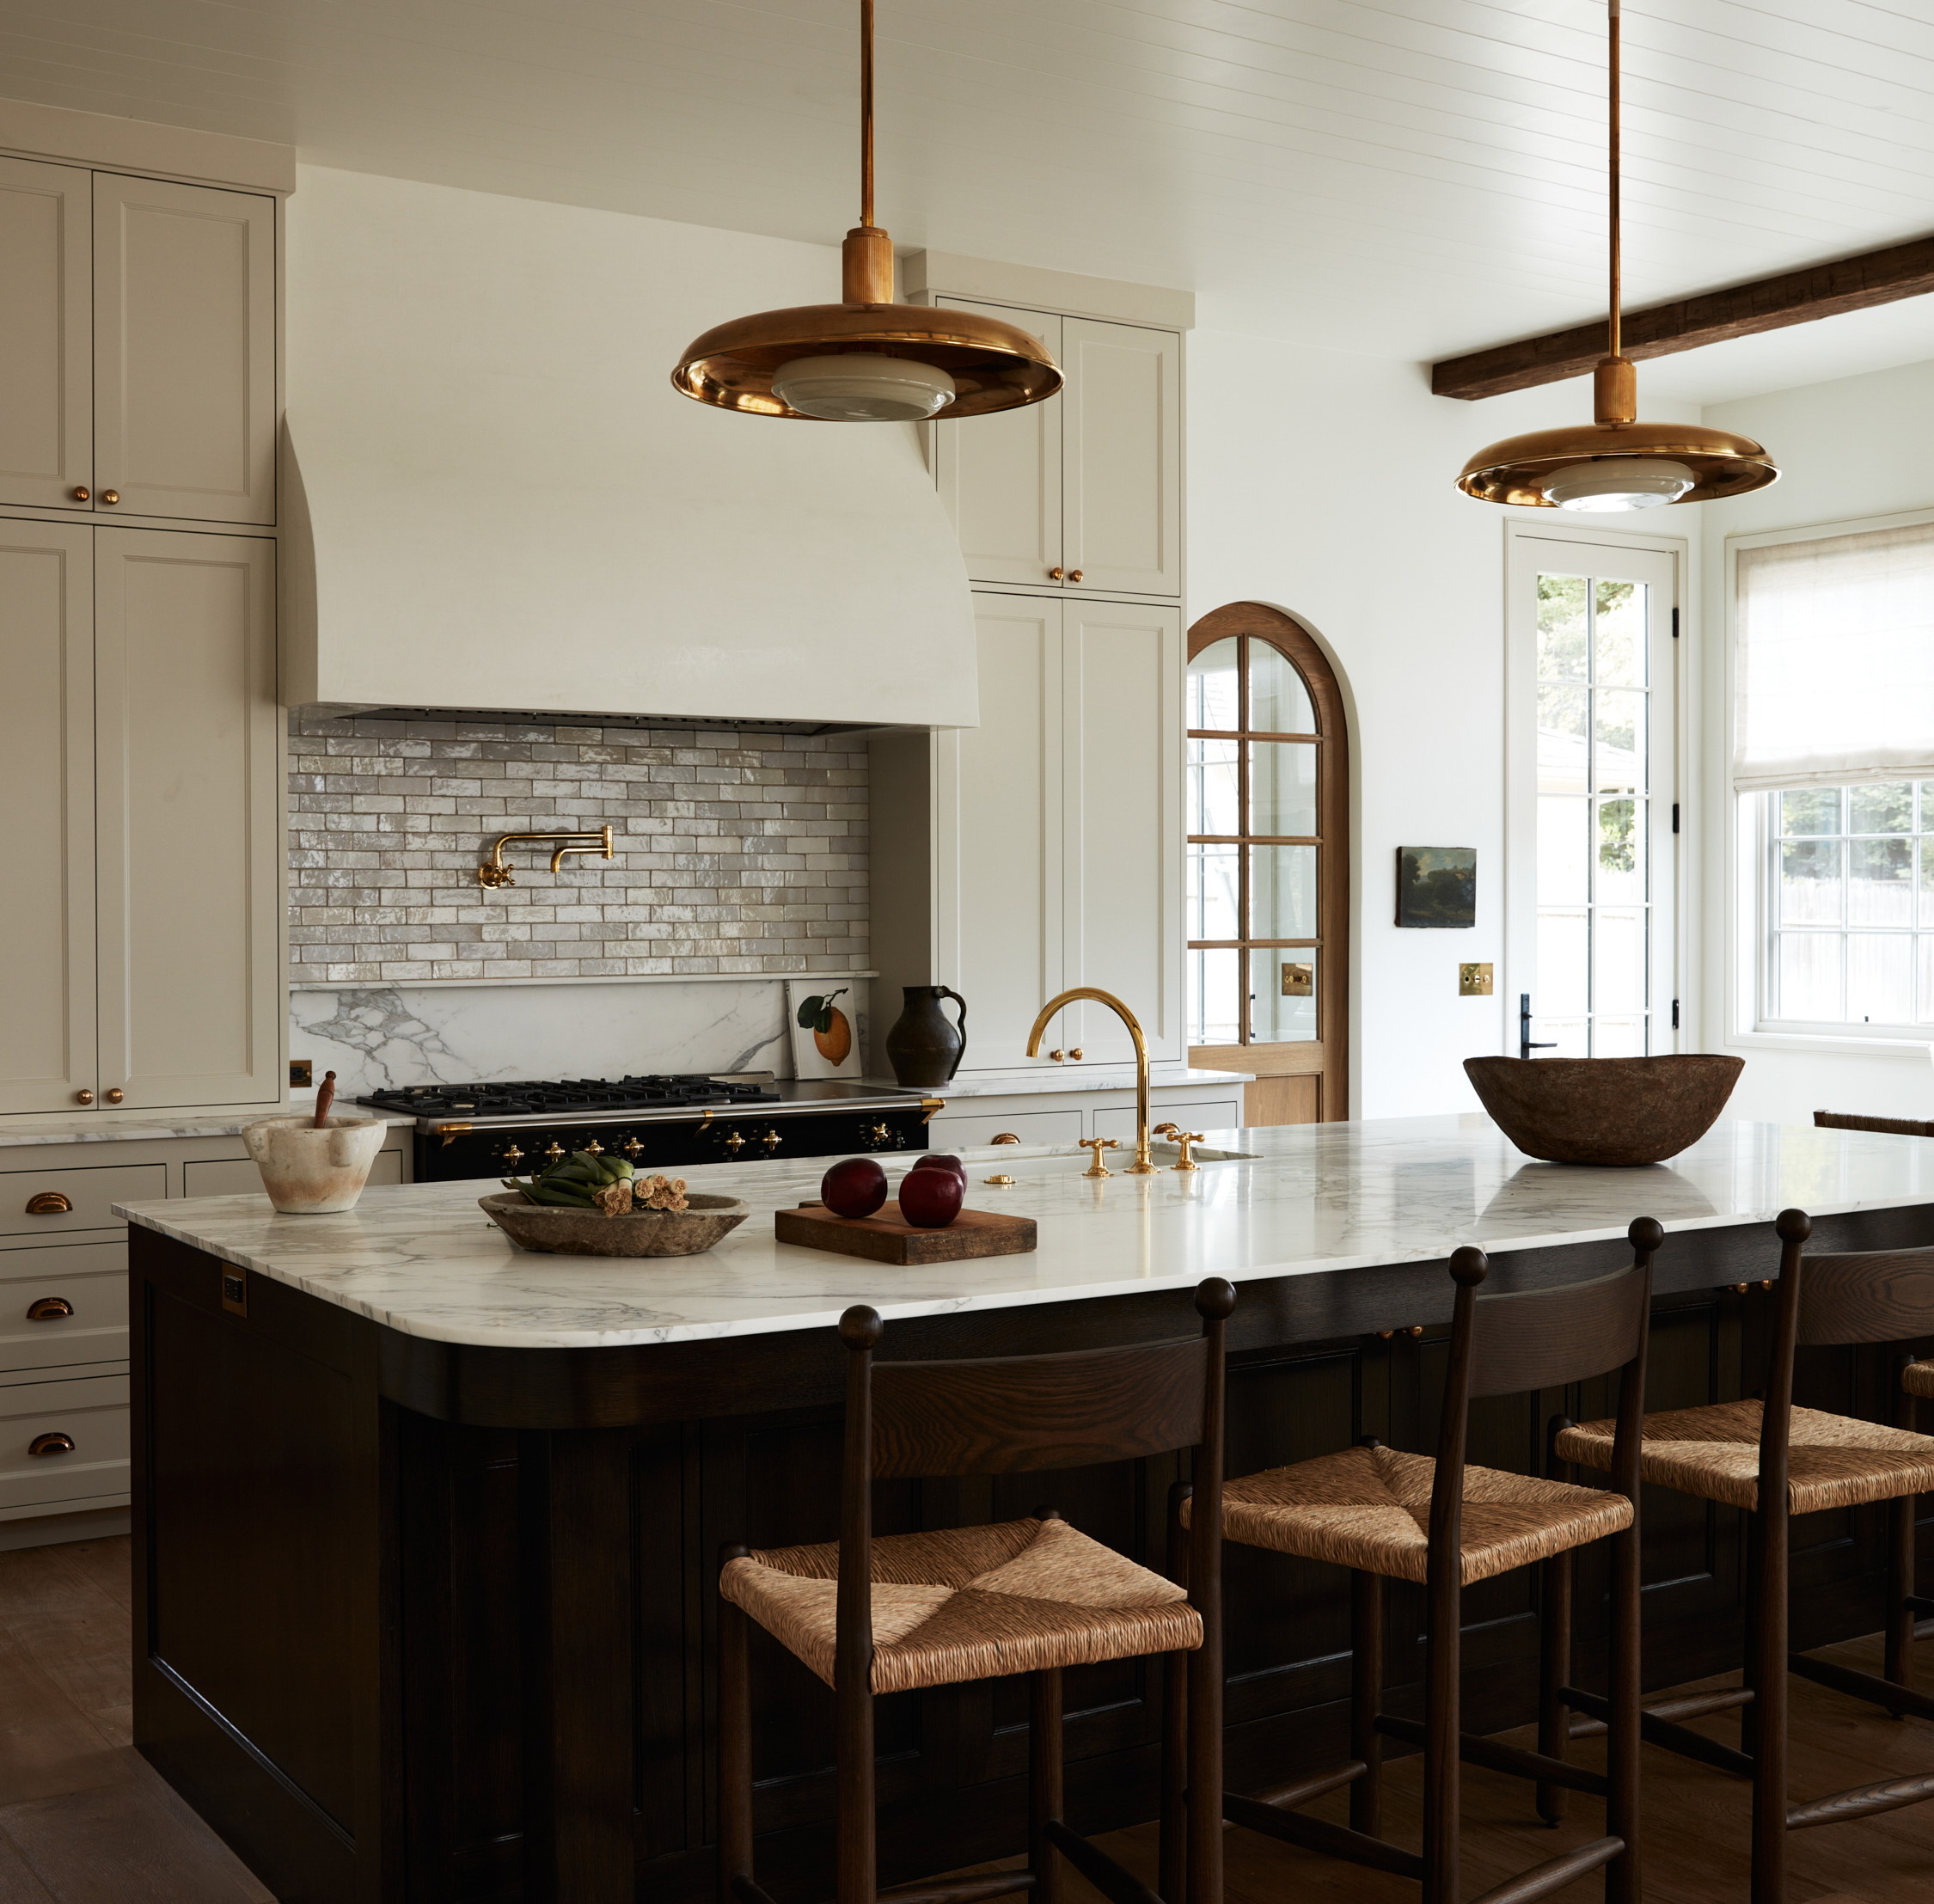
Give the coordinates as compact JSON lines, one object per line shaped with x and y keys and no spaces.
{"x":1769,"y":1707}
{"x":1749,"y":1713}
{"x":855,"y":1803}
{"x":1900,"y":1591}
{"x":1442,"y":1745}
{"x":1173,"y":1854}
{"x":1204,"y":1676}
{"x":1554,"y":1672}
{"x":1366,"y":1700}
{"x":1044,"y":1783}
{"x":1622,"y":1882}
{"x":734,"y":1750}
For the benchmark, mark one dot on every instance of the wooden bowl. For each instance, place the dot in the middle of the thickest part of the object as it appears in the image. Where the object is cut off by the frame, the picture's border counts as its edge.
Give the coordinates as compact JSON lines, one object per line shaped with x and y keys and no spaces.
{"x":557,"y":1232}
{"x":1605,"y":1111}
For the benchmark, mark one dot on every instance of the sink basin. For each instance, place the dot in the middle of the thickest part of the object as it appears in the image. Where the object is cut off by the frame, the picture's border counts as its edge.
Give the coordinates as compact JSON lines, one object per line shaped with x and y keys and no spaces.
{"x":984,"y":1160}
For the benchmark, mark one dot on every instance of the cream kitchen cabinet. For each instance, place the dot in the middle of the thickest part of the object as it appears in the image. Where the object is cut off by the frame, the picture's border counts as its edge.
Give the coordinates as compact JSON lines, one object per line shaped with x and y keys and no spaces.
{"x":139,"y":377}
{"x":1081,"y":494}
{"x":1042,"y":849}
{"x":140,"y":771}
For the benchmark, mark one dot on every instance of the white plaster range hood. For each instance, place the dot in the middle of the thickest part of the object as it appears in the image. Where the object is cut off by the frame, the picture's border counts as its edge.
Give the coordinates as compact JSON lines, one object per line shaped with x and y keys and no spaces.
{"x":498,"y":502}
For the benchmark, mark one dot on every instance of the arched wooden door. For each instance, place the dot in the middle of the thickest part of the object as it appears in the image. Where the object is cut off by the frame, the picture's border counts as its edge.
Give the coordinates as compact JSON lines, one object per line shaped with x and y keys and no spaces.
{"x":1268,"y":863}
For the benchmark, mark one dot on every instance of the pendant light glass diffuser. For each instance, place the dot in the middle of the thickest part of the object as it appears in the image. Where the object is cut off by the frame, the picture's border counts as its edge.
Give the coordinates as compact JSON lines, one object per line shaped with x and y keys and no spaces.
{"x":1615,"y":462}
{"x":868,"y":359}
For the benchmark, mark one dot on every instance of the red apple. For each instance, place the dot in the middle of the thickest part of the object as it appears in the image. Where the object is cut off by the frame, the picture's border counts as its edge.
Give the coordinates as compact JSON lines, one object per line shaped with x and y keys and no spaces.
{"x":856,"y":1187}
{"x":930,"y":1199}
{"x":941,"y":1160}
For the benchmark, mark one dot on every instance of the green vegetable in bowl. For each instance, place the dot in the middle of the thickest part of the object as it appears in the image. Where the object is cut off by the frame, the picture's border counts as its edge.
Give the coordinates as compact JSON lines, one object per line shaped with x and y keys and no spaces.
{"x":584,"y":1180}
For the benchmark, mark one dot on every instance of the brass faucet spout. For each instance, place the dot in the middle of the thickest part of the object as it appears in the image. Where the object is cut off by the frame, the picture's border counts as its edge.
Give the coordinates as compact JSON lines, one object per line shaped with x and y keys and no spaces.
{"x":1144,"y":1163}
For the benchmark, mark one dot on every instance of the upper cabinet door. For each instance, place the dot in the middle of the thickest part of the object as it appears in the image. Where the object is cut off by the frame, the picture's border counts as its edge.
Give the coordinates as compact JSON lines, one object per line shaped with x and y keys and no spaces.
{"x":184,"y":350}
{"x":1000,"y":475}
{"x":46,"y":792}
{"x":190,"y":839}
{"x":47,"y":366}
{"x":1122,"y":458}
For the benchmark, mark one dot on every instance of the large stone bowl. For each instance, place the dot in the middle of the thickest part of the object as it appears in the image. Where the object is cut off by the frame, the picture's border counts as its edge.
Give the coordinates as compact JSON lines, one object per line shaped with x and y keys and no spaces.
{"x":1605,"y":1111}
{"x":556,"y":1232}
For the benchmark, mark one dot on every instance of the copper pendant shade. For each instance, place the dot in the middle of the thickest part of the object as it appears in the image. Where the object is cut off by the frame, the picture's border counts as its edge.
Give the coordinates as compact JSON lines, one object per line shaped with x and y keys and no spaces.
{"x":1616,"y":462}
{"x":991,"y":365}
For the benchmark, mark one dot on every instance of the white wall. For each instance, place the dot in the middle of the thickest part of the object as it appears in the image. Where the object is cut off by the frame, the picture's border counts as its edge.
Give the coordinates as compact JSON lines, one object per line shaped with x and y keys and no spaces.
{"x":1323,"y":484}
{"x":1855,"y":447}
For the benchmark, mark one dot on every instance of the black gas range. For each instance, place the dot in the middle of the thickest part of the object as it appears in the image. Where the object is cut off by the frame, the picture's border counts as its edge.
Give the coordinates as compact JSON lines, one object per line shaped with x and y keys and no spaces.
{"x":499,"y":1129}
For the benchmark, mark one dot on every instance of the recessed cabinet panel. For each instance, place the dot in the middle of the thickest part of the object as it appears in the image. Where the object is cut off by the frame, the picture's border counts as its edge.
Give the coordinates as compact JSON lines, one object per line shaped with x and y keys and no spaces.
{"x":46,"y":794}
{"x":1122,"y":524}
{"x":1122,"y":773}
{"x":46,"y":367}
{"x":190,"y":846}
{"x":999,"y":808}
{"x":1000,"y":475}
{"x":185,"y":350}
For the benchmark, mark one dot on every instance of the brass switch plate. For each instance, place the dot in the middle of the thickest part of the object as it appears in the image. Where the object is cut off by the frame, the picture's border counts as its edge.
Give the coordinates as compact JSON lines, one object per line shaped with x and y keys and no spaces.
{"x":1473,"y":980}
{"x":302,"y":1074}
{"x":1299,"y":981}
{"x":235,"y":1289}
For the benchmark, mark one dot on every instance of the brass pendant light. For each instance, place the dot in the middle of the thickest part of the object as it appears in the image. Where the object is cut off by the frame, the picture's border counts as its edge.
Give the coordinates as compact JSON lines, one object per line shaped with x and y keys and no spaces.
{"x":1615,"y":462}
{"x":868,"y":359}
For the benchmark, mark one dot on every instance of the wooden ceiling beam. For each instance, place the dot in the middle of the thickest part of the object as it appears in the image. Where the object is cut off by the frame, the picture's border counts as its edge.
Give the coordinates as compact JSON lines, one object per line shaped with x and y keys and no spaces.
{"x":1713,"y":317}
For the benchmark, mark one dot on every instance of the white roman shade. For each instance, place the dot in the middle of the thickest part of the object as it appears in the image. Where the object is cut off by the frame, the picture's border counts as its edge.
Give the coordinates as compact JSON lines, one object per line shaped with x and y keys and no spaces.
{"x":1833,"y":674}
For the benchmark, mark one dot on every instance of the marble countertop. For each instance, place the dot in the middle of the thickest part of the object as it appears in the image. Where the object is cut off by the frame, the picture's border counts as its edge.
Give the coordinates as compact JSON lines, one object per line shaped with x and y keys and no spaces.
{"x":100,"y":1127}
{"x":1073,"y":1078}
{"x":1313,"y":1199}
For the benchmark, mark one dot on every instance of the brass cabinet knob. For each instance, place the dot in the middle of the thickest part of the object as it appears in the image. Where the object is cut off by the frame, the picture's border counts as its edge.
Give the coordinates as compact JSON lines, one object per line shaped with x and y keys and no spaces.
{"x":81,"y":493}
{"x":1054,"y":575}
{"x":49,"y":1308}
{"x":1074,"y":1051}
{"x":1074,"y":575}
{"x":83,"y":1096}
{"x":1058,"y":1055}
{"x":54,"y":1444}
{"x":113,"y":1097}
{"x":114,"y":496}
{"x":49,"y":1202}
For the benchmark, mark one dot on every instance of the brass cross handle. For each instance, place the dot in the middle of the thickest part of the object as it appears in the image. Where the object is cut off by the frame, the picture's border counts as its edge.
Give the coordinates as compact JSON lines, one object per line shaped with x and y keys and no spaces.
{"x":1184,"y":1141}
{"x":1098,"y":1145}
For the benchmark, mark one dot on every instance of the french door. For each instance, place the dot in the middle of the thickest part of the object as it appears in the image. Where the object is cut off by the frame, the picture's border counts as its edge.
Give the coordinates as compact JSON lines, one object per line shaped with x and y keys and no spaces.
{"x":1591,"y":751}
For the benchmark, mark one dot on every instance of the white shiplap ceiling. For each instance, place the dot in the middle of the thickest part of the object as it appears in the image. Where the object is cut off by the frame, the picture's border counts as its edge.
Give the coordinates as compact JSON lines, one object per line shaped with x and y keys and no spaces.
{"x":1410,"y":178}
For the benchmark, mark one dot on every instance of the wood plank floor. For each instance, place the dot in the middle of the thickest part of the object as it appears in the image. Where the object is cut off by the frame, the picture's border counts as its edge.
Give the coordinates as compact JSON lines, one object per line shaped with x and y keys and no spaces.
{"x":84,"y":1820}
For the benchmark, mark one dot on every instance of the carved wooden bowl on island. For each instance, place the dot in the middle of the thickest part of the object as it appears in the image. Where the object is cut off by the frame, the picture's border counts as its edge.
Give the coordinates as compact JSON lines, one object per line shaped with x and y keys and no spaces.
{"x":1620,"y":1112}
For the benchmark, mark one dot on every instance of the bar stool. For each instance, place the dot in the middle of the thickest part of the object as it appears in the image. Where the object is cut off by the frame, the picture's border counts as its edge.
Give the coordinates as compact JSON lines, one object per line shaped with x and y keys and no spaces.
{"x":958,"y":1604}
{"x":1777,"y":1460}
{"x":1445,"y":1525}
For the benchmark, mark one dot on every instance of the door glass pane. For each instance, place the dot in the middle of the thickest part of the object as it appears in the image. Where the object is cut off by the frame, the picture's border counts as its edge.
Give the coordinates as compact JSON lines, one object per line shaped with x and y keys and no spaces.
{"x":1619,"y":635}
{"x":1621,"y":852}
{"x":1808,"y":975}
{"x":1282,"y":892}
{"x":1282,"y":994}
{"x":1618,"y":723}
{"x":1215,"y":906}
{"x":1278,"y":701}
{"x":1618,"y":1037}
{"x":1617,"y":960}
{"x":1563,"y":762}
{"x":1880,"y":883}
{"x":1809,"y":882}
{"x":1925,"y":1014}
{"x":1564,"y":632}
{"x":1570,"y":1037}
{"x":1214,"y":803}
{"x":1281,"y":787}
{"x":1564,"y":851}
{"x":1563,"y":964}
{"x":1215,"y":997}
{"x":1880,"y":978}
{"x":1212,"y":685}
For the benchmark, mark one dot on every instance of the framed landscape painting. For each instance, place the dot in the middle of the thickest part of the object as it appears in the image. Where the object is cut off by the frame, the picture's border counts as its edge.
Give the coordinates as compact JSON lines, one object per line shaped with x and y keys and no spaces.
{"x":1436,"y":885}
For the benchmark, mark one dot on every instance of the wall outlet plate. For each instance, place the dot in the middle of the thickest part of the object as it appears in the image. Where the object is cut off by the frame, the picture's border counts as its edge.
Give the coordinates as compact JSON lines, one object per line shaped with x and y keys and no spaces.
{"x":1473,"y":981}
{"x":302,"y":1074}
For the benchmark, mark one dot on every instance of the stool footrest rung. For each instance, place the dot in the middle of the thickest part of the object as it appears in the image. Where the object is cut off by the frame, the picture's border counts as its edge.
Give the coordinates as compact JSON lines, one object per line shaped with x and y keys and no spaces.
{"x":1295,"y":1828}
{"x":1654,"y":1731}
{"x":959,"y":1890}
{"x":1696,"y":1705}
{"x":1869,"y":1686}
{"x":1554,"y":1874}
{"x":1586,"y":1729}
{"x":1920,"y":1603}
{"x":1117,"y":1885}
{"x":1303,"y":1791}
{"x":1475,"y":1749}
{"x":1861,"y":1802}
{"x":748,"y":1890}
{"x":1924,"y":1629}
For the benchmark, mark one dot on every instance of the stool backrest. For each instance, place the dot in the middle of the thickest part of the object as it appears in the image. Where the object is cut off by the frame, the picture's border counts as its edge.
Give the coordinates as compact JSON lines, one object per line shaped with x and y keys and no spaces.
{"x":1880,"y":1295}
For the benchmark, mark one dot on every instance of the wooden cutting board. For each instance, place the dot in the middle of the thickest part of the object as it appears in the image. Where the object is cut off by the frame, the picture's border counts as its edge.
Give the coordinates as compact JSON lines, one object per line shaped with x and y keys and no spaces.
{"x":887,"y":1237}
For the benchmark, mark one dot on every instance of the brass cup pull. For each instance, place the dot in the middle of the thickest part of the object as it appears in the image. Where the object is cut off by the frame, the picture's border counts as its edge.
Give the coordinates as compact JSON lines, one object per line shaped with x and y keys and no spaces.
{"x":83,"y":1096}
{"x":54,"y":1444}
{"x":49,"y":1308}
{"x":1074,"y":575}
{"x":114,"y":496}
{"x":81,"y":493}
{"x":49,"y":1202}
{"x":1006,"y":1137}
{"x":113,"y":1097}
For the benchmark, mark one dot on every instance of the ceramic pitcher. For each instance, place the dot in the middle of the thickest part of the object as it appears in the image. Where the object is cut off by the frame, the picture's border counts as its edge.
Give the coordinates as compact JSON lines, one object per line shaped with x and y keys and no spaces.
{"x":924,"y":1047}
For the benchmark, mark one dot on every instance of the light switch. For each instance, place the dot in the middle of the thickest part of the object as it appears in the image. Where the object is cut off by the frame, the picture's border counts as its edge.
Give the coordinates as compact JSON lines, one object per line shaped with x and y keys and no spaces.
{"x":1473,"y":980}
{"x":1299,"y":981}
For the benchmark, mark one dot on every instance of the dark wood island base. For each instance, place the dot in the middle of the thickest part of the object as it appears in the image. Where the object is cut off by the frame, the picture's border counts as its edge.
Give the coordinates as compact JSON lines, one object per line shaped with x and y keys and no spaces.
{"x":418,"y":1620}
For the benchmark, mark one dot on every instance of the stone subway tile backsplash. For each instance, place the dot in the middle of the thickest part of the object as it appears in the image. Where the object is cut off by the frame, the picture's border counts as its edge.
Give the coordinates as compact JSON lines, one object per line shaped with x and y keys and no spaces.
{"x":735,"y":852}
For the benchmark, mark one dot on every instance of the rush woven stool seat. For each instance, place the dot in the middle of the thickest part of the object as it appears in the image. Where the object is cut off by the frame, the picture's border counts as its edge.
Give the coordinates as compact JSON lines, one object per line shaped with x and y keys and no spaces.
{"x":1388,"y":1515}
{"x":1775,"y":1460}
{"x":903,"y":1612}
{"x":1918,"y":1379}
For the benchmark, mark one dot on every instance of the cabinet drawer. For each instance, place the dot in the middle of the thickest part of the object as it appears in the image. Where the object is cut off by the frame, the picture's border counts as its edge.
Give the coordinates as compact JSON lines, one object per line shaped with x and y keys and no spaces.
{"x":91,"y":1195}
{"x":92,"y":1328}
{"x":92,"y":1412}
{"x":1031,"y":1127}
{"x":238,"y":1177}
{"x":1117,"y":1120}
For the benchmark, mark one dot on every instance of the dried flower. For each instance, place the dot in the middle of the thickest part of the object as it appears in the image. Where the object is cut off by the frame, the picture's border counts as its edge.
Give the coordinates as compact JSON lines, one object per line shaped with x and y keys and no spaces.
{"x":615,"y":1199}
{"x":665,"y":1193}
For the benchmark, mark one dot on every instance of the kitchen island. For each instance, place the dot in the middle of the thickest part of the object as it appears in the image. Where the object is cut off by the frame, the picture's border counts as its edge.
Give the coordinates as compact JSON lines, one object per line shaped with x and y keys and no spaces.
{"x":426,"y":1527}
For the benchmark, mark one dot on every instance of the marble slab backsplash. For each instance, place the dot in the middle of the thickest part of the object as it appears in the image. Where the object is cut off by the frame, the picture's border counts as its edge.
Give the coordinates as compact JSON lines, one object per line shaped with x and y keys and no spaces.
{"x":376,"y":1037}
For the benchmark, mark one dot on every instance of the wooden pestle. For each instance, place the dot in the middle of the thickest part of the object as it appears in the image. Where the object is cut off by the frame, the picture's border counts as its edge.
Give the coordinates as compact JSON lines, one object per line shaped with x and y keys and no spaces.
{"x":325,"y":1096}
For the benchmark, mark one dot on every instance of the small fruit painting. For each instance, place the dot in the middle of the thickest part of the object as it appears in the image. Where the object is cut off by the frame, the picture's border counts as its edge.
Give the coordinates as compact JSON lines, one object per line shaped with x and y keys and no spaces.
{"x":831,"y":1029}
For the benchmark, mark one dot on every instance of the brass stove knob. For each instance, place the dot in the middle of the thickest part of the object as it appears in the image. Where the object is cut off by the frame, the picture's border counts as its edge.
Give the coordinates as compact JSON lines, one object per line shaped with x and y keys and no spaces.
{"x":594,"y":1149}
{"x":771,"y":1140}
{"x":554,"y":1149}
{"x":512,"y":1155}
{"x":735,"y":1143}
{"x":631,"y":1147}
